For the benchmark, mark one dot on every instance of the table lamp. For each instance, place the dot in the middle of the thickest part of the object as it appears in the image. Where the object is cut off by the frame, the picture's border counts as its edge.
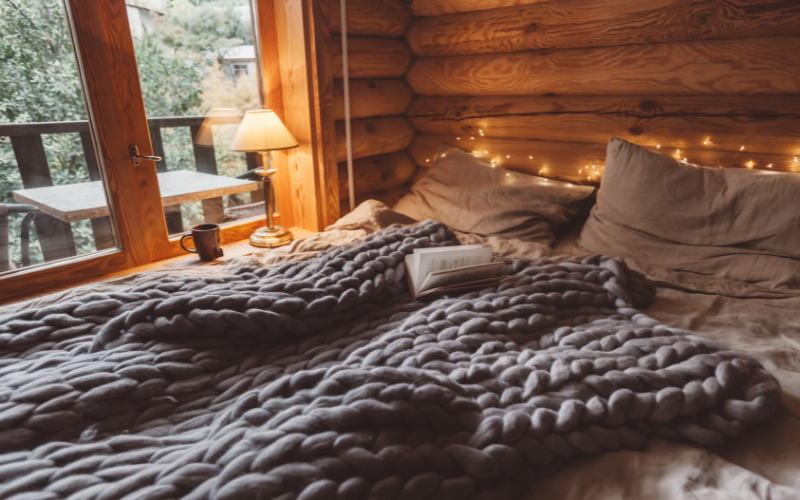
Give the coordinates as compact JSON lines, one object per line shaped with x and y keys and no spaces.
{"x":261,"y":132}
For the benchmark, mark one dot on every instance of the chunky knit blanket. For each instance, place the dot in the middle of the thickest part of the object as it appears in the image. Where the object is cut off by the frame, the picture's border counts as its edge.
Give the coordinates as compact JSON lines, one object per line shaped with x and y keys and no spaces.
{"x":323,"y":380}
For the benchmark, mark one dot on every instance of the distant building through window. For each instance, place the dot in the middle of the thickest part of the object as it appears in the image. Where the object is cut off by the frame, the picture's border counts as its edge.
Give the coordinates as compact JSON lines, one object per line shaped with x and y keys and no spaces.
{"x":239,"y":60}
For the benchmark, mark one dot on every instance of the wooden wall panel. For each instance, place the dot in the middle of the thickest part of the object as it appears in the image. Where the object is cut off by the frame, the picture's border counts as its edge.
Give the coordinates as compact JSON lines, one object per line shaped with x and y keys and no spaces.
{"x":375,"y":97}
{"x":582,"y":162}
{"x":386,"y":18}
{"x":566,"y":24}
{"x":374,"y":136}
{"x":377,"y":174}
{"x":749,"y":66}
{"x":370,"y":57}
{"x":439,"y":7}
{"x":764,"y":124}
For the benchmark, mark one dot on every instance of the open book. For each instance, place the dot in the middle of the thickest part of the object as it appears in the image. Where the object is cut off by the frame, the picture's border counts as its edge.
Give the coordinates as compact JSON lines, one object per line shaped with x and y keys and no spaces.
{"x":439,"y":269}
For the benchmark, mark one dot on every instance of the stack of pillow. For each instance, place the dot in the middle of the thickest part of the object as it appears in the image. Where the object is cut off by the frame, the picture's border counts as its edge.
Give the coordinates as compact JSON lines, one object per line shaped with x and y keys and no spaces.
{"x":726,"y":231}
{"x":701,"y":223}
{"x":471,"y":195}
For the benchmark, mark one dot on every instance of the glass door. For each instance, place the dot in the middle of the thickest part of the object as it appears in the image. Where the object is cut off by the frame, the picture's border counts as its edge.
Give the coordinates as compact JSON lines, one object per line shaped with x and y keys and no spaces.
{"x":197,"y":67}
{"x":53,"y":203}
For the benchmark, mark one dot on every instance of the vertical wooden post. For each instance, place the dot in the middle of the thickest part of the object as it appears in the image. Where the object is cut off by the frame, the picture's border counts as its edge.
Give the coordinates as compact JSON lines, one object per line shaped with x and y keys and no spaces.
{"x":206,"y":162}
{"x":55,"y":236}
{"x":101,"y":227}
{"x":323,"y":118}
{"x":271,"y":60}
{"x":172,"y":213}
{"x":308,"y":103}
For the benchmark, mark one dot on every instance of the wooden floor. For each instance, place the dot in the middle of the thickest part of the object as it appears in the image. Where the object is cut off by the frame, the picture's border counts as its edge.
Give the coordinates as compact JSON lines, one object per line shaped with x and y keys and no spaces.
{"x":238,"y":249}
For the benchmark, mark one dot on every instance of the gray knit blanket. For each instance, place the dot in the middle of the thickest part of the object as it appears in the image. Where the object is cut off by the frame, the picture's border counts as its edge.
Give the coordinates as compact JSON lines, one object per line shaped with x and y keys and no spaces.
{"x":323,"y":380}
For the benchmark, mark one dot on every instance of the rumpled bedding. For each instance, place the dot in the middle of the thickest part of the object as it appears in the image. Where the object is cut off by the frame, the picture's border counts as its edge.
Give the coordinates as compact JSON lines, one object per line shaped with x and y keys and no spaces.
{"x":762,"y":464}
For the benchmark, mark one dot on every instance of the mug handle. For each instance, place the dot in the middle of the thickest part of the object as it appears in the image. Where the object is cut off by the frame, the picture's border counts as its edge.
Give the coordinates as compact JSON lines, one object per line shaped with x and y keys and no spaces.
{"x":187,"y":235}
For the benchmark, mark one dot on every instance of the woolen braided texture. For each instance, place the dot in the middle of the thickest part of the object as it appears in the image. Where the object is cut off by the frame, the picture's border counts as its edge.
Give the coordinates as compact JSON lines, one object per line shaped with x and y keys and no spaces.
{"x":321,"y":380}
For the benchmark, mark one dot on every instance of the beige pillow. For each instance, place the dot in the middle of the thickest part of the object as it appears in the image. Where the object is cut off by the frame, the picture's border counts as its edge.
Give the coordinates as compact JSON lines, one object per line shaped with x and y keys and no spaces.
{"x":468,"y":194}
{"x":726,"y":223}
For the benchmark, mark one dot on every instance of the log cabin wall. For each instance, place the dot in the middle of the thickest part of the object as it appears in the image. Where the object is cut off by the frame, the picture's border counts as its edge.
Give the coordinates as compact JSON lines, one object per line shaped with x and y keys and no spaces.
{"x":541,"y":85}
{"x":380,"y":97}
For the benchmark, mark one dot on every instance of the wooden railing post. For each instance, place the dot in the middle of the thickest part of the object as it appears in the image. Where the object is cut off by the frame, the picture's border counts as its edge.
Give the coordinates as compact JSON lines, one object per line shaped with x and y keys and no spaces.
{"x":206,"y":162}
{"x":101,"y":227}
{"x":55,"y":237}
{"x":171,"y":212}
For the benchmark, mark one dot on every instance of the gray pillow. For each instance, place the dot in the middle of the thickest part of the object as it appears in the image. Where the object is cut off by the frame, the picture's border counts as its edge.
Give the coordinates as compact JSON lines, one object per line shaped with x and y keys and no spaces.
{"x":729,"y":223}
{"x":469,"y":194}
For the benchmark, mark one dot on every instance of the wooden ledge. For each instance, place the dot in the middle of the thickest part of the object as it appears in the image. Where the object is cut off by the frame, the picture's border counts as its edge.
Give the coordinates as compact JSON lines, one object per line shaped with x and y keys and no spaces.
{"x":187,"y":261}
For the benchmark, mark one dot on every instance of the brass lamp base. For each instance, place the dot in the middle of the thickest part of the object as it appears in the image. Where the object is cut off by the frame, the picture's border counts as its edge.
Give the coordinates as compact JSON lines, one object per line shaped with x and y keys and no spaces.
{"x":271,"y":238}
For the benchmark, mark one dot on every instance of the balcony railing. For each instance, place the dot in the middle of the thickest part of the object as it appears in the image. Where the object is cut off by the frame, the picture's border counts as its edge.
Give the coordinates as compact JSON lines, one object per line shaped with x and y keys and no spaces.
{"x":55,"y":237}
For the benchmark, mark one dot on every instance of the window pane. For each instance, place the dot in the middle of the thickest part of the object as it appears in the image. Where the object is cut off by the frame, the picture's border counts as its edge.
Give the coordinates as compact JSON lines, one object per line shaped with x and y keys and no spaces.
{"x":197,"y":68}
{"x":53,"y":204}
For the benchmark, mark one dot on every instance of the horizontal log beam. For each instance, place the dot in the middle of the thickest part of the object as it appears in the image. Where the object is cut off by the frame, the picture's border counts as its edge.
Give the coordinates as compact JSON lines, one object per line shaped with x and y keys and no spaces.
{"x":581,"y":162}
{"x":387,"y":18}
{"x":368,"y":98}
{"x":748,"y":66}
{"x":376,"y":174}
{"x":439,"y":7}
{"x":567,"y":24}
{"x":370,"y":57}
{"x":374,"y":136}
{"x":765,"y":124}
{"x":388,"y":196}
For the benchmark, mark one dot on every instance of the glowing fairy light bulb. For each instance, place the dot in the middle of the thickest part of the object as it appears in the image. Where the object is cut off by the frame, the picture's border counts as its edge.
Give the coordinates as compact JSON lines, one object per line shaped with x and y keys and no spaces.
{"x":458,"y":138}
{"x":486,"y":152}
{"x":658,"y":146}
{"x":426,"y":161}
{"x":508,"y":156}
{"x":472,"y":138}
{"x":741,"y":149}
{"x":769,"y":166}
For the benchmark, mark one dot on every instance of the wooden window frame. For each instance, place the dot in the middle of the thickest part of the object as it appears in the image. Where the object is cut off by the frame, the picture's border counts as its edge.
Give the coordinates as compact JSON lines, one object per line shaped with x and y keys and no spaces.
{"x":293,"y":56}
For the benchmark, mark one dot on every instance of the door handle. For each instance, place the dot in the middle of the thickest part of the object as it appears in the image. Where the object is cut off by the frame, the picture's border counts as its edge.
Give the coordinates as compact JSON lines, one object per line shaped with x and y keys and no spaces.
{"x":135,"y":156}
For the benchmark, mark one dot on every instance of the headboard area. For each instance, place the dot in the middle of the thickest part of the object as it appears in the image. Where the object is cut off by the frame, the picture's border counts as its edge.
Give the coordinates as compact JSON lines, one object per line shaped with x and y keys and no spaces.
{"x":540,"y":86}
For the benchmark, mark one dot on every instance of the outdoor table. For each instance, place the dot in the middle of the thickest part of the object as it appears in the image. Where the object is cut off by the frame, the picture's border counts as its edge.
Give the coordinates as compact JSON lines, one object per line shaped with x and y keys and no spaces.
{"x":87,"y":200}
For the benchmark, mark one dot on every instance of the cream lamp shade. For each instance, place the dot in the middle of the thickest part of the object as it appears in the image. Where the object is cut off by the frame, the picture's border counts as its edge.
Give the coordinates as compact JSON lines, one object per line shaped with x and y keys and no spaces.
{"x":262,"y":130}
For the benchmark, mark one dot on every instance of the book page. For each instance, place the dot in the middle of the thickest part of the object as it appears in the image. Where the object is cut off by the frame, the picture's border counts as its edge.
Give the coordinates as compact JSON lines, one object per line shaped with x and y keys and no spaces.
{"x":450,"y":258}
{"x":466,"y":274}
{"x":420,"y":276}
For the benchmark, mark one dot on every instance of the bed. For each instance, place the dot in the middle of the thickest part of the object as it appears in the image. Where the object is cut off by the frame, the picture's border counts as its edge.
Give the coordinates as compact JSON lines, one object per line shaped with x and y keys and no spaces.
{"x":762,"y":322}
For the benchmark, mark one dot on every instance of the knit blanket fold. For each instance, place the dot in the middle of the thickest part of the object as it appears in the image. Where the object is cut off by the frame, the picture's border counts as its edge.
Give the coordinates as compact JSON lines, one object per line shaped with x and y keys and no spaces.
{"x":321,"y":379}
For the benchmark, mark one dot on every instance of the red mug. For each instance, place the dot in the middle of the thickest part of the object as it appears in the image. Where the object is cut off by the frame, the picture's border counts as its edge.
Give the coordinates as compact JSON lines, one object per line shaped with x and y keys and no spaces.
{"x":206,"y":241}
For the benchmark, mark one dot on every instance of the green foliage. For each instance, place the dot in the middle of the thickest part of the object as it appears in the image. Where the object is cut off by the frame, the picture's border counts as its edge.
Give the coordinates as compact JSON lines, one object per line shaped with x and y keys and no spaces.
{"x":204,"y":29}
{"x":170,"y":79}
